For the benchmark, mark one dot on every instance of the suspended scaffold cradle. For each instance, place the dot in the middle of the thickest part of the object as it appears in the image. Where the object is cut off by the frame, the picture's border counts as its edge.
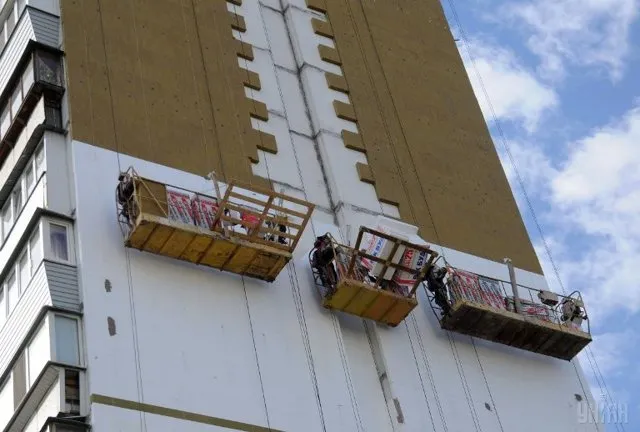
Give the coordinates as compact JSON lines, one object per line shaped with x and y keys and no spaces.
{"x":534,"y":320}
{"x":247,"y":231}
{"x":376,"y":279}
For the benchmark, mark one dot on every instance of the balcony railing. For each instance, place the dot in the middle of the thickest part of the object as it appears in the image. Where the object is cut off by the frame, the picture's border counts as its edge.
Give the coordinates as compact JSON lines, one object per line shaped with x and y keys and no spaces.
{"x":247,"y":231}
{"x":377,"y":279}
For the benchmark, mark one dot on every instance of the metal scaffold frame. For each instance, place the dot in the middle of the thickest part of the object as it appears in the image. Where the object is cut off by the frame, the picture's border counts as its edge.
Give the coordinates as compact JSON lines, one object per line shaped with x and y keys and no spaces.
{"x":489,"y":309}
{"x":347,"y":283}
{"x":249,"y":231}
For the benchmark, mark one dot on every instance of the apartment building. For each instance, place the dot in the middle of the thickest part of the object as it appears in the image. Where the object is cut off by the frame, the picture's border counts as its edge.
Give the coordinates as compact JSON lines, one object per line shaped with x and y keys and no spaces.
{"x":360,"y":114}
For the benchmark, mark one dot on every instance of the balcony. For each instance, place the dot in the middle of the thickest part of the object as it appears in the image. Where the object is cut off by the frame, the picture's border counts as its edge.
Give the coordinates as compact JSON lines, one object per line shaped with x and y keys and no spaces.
{"x":41,"y":78}
{"x":377,"y":279}
{"x":247,"y":231}
{"x":543,"y":322}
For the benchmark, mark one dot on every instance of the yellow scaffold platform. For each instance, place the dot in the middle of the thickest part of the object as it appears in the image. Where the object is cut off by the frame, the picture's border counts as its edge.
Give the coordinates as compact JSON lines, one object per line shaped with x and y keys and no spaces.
{"x":381,"y":288}
{"x":249,"y":231}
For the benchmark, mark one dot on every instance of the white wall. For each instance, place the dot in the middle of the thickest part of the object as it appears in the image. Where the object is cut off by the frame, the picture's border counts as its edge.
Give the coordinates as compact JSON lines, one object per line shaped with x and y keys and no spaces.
{"x":196,"y":347}
{"x":205,"y":346}
{"x":49,"y":407}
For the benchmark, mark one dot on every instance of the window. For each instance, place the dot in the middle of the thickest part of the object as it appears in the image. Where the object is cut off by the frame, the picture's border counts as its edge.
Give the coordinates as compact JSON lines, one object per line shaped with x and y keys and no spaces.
{"x":11,"y":23}
{"x":48,"y":68}
{"x":5,"y":120}
{"x":39,"y":161}
{"x":24,"y":270}
{"x":3,"y":308}
{"x":58,"y":239}
{"x":6,"y":219}
{"x":17,"y":199}
{"x":35,"y":250}
{"x":39,"y":352}
{"x":19,"y":375}
{"x":66,"y":330}
{"x":6,"y":401}
{"x":12,"y":291}
{"x":29,"y":179}
{"x":27,"y":78}
{"x":16,"y":101}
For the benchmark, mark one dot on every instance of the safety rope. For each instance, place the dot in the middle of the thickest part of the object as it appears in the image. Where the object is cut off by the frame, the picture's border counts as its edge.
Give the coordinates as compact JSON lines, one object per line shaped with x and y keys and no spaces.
{"x":424,"y":391}
{"x":486,"y":383}
{"x":393,"y":151}
{"x":465,"y":384}
{"x":195,"y":81}
{"x":255,"y":351}
{"x":427,"y":363}
{"x":291,"y":266}
{"x":132,"y":313}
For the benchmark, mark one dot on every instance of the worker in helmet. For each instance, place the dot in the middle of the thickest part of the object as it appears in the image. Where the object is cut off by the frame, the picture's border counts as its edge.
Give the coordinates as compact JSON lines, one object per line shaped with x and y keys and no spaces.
{"x":572,"y":312}
{"x":322,"y":260}
{"x":437,"y":285}
{"x":124,"y":196}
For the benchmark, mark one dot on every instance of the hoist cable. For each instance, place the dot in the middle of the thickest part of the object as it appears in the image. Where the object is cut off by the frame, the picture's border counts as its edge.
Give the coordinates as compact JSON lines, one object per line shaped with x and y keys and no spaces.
{"x":424,"y":391}
{"x":393,"y":151}
{"x":519,"y":178}
{"x":427,"y":363}
{"x":132,"y":313}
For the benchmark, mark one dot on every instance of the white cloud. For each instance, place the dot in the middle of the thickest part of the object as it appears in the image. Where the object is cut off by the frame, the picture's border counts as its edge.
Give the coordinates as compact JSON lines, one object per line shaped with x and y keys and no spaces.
{"x":515,"y":93}
{"x":581,"y":32}
{"x":597,"y":194}
{"x":593,"y":219}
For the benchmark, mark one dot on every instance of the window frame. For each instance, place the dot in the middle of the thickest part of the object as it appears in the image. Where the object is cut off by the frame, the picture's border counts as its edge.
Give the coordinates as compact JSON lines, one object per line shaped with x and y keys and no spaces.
{"x":51,"y":316}
{"x":46,"y":240}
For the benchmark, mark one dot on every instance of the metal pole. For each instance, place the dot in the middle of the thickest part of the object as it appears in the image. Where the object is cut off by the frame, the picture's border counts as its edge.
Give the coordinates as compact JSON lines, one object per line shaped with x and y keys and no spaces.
{"x":212,"y":176}
{"x":514,"y":285}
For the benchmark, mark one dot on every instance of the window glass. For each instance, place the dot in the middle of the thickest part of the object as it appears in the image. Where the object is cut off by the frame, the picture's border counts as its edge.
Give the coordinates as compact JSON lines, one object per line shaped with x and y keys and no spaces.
{"x":39,"y":352}
{"x":6,"y":219}
{"x":16,"y":101}
{"x":6,"y":401}
{"x":5,"y":120}
{"x":12,"y":291}
{"x":11,"y":23}
{"x":66,"y":331}
{"x":29,"y":179}
{"x":48,"y":68}
{"x":58,"y":238}
{"x":24,"y":271}
{"x":27,"y":78}
{"x":3,"y":308}
{"x":39,"y":161}
{"x":35,"y":250}
{"x":17,"y":200}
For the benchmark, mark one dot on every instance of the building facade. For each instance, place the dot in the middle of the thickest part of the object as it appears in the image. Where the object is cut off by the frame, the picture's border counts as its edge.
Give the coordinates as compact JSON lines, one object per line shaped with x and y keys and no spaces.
{"x":362,"y":108}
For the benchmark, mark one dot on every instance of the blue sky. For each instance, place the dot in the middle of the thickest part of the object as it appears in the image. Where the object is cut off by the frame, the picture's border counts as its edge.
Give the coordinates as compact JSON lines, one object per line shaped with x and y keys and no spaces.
{"x":563,"y":80}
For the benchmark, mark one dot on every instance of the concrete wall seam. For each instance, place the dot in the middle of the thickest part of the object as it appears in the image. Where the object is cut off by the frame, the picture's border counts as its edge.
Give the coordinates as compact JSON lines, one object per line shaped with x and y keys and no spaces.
{"x":343,"y":109}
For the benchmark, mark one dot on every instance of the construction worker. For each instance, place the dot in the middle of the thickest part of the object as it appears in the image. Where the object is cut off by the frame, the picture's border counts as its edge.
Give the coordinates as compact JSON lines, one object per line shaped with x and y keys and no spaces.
{"x":572,"y":312}
{"x":437,"y":285}
{"x":322,"y":260}
{"x":125,"y":194}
